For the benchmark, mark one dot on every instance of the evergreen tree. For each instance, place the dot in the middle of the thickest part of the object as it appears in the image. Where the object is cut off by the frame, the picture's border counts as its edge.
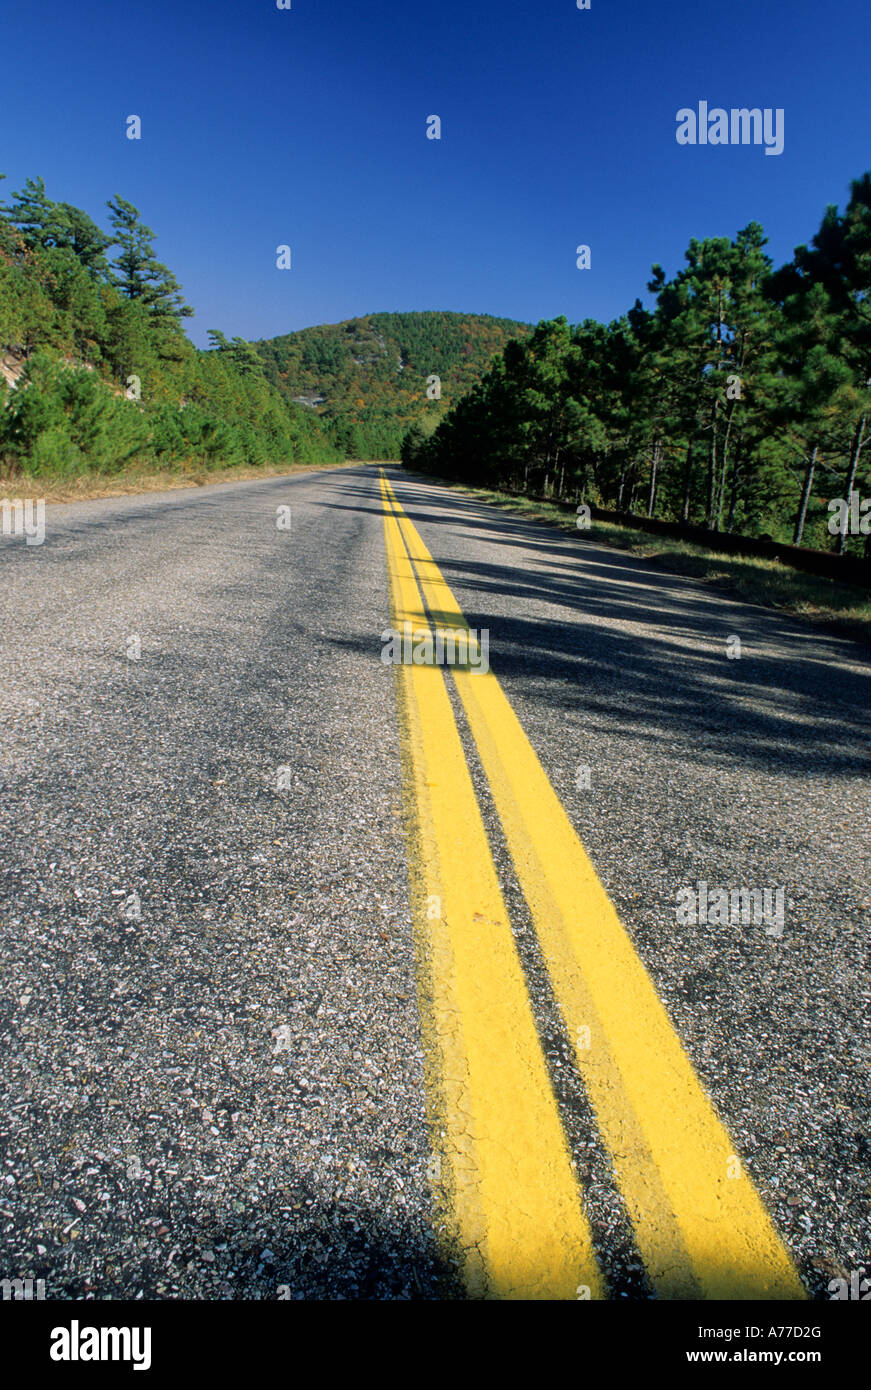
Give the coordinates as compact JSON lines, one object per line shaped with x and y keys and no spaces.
{"x":85,"y":239}
{"x":40,"y":221}
{"x":136,"y":271}
{"x":244,"y":357}
{"x":839,"y":261}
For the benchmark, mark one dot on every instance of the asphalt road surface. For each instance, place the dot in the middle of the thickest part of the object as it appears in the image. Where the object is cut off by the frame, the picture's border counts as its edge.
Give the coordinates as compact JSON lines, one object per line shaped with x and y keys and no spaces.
{"x":328,"y":976}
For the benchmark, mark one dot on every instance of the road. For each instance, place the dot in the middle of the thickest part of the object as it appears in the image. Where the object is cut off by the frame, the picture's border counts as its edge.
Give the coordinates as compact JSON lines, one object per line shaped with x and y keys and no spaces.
{"x":324,"y":976}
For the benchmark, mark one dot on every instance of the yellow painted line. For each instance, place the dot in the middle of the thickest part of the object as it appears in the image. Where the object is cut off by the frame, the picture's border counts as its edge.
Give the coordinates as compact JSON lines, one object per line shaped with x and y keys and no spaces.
{"x":702,"y":1229}
{"x":507,"y":1186}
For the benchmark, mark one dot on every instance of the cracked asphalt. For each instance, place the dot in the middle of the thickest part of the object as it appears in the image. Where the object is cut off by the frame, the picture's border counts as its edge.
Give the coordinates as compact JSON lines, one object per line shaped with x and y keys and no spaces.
{"x":212,"y":1065}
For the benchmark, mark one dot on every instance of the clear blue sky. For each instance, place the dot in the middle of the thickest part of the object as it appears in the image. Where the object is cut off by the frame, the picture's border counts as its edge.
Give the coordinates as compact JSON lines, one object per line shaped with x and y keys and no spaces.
{"x":307,"y":127}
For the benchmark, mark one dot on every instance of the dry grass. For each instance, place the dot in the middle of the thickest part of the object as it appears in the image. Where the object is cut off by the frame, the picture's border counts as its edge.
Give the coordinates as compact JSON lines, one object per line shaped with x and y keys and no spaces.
{"x":80,"y":489}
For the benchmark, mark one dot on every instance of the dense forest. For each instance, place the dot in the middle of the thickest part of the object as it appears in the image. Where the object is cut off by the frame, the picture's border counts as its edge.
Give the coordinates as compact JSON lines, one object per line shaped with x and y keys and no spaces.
{"x":369,"y":378}
{"x":740,"y":401}
{"x":97,"y":371}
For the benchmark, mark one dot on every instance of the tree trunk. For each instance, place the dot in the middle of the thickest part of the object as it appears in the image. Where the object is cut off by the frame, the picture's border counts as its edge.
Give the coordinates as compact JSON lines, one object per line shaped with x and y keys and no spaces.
{"x":687,"y":479}
{"x":721,"y":484}
{"x":805,"y":497}
{"x":735,"y":487}
{"x":654,"y":463}
{"x":712,"y":468}
{"x":581,"y":485}
{"x":855,"y":454}
{"x":736,"y":483}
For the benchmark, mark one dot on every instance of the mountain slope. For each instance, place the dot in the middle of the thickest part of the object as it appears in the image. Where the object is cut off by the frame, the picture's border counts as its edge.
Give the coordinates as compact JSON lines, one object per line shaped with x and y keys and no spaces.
{"x":368,"y":376}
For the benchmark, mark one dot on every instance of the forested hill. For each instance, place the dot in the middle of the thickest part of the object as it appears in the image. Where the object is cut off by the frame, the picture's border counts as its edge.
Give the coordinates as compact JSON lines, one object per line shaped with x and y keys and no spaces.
{"x":369,"y":377}
{"x":96,"y":372}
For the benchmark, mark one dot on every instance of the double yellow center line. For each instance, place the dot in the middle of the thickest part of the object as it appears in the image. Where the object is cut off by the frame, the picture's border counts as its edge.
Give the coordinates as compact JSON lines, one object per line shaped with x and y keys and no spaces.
{"x":509,"y":1194}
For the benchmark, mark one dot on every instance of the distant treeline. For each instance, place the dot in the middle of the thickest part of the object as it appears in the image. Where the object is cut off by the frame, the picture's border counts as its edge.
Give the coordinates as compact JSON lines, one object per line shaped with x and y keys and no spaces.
{"x":90,"y":327}
{"x":740,"y":402}
{"x":369,"y":379}
{"x":104,"y":376}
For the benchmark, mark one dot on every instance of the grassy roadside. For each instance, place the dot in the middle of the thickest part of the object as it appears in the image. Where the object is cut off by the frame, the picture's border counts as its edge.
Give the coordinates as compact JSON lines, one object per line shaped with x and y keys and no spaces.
{"x":840,"y":607}
{"x":87,"y":486}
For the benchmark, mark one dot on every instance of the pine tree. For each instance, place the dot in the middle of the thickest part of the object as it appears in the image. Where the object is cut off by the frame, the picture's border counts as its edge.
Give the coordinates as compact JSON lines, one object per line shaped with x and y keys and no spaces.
{"x":136,"y":271}
{"x":40,"y":221}
{"x":8,"y":236}
{"x":244,"y":357}
{"x":88,"y":241}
